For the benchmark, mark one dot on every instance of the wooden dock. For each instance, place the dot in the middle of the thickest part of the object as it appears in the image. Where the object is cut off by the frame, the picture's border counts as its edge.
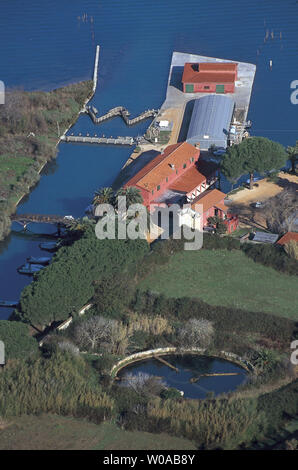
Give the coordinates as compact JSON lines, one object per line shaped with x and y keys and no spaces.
{"x":122,"y":112}
{"x":80,"y":139}
{"x":95,"y":72}
{"x":166,"y":363}
{"x":195,"y":379}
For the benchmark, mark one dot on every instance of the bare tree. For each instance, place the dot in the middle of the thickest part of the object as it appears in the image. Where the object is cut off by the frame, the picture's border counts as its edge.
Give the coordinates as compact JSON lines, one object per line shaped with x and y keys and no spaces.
{"x":143,"y":384}
{"x":93,"y":332}
{"x":197,"y":333}
{"x":281,"y":211}
{"x":68,"y":346}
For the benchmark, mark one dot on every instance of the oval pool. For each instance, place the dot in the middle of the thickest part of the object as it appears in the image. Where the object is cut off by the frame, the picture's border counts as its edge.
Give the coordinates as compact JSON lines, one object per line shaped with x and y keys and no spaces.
{"x":191,"y":366}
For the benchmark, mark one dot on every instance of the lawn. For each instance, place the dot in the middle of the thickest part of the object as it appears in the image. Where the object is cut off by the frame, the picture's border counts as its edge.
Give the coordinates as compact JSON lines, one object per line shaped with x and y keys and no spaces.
{"x":51,"y":432}
{"x":229,"y":278}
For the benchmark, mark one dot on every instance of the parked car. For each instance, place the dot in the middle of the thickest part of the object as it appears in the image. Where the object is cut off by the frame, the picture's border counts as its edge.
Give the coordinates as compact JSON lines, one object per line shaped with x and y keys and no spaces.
{"x":257,"y":204}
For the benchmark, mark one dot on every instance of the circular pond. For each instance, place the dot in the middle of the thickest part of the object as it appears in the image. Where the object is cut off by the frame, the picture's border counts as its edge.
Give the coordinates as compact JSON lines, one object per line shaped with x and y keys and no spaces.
{"x":192,"y":374}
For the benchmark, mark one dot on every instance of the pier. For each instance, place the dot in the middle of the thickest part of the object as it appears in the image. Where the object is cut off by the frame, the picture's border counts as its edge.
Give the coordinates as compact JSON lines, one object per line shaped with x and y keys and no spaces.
{"x":80,"y":139}
{"x":166,"y":363}
{"x":95,"y":73}
{"x":195,"y":379}
{"x":122,"y":112}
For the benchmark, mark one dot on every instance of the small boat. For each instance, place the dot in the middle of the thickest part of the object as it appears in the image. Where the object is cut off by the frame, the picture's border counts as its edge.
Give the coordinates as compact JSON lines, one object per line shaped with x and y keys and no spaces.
{"x":41,"y":260}
{"x":94,"y":109}
{"x":49,"y":246}
{"x":31,"y":269}
{"x":9,"y":303}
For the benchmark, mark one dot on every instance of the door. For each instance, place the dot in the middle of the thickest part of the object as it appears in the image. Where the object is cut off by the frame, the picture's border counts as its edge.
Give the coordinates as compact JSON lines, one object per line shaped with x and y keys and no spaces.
{"x":189,"y":88}
{"x":220,"y":88}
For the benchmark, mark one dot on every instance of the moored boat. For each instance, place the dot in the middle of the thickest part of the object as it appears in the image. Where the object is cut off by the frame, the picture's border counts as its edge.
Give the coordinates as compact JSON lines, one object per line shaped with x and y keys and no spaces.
{"x":31,"y":269}
{"x":9,"y":303}
{"x":40,"y":260}
{"x":49,"y":246}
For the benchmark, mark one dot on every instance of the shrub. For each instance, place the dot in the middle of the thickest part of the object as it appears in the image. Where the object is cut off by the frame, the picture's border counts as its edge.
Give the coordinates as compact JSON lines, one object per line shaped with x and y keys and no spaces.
{"x":15,"y":336}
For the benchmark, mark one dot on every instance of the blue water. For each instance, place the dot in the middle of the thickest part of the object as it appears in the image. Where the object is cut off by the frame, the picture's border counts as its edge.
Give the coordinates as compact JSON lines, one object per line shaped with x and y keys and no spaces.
{"x":191,"y":367}
{"x":45,"y":44}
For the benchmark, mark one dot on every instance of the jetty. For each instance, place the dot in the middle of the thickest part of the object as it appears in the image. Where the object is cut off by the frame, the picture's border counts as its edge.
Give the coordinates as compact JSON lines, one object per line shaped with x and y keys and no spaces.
{"x":123,"y":113}
{"x":99,"y":140}
{"x":175,"y":107}
{"x":166,"y":363}
{"x":95,"y":72}
{"x":223,"y":374}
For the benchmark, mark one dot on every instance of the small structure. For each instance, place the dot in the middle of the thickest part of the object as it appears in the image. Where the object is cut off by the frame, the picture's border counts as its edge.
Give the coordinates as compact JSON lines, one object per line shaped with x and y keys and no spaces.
{"x":288,"y":237}
{"x":212,"y":203}
{"x":210,"y":121}
{"x":265,"y":237}
{"x":209,"y":77}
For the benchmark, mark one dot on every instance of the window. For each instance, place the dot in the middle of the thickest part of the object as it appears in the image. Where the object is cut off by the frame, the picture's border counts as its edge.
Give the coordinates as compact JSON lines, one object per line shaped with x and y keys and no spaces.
{"x":206,"y":87}
{"x":184,"y":166}
{"x":158,"y":187}
{"x":176,"y":172}
{"x":167,"y":179}
{"x":152,"y":191}
{"x":192,"y":159}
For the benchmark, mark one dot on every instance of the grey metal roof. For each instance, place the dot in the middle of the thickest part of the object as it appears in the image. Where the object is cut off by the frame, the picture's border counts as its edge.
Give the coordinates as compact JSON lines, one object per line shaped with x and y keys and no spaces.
{"x":211,"y":117}
{"x":264,"y":237}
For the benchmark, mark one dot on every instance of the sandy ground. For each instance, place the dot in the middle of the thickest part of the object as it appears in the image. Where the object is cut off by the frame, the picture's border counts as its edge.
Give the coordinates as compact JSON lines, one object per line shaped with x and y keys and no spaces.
{"x":265,"y":189}
{"x":175,"y":115}
{"x":242,"y":200}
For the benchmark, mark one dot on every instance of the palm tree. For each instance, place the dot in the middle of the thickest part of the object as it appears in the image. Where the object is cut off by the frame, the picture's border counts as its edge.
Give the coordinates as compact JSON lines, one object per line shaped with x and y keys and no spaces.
{"x":103,"y":196}
{"x":293,"y":155}
{"x":133,"y":195}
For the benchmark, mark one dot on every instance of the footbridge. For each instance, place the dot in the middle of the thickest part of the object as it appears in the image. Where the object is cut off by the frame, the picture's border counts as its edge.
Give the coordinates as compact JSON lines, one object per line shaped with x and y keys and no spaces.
{"x":122,"y":112}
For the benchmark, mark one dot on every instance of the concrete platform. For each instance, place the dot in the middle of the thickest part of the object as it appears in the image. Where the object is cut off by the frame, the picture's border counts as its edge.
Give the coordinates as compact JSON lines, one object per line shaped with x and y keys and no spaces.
{"x":177,"y":101}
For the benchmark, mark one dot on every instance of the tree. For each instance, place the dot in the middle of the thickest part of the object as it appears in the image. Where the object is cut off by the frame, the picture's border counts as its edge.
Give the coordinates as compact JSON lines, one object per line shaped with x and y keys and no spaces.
{"x":196,"y":333}
{"x":94,"y":331}
{"x":17,"y":342}
{"x":280,"y":211}
{"x":293,"y":156}
{"x":103,"y":196}
{"x":218,"y":223}
{"x":133,"y":195}
{"x":253,"y":154}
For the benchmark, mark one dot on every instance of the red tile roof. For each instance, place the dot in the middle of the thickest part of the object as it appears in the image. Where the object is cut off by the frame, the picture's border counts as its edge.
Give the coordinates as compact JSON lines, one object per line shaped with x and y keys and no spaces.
{"x":289,"y":236}
{"x":194,"y":176}
{"x":209,"y":198}
{"x":188,"y":181}
{"x":192,"y":75}
{"x":218,"y":66}
{"x":159,"y":168}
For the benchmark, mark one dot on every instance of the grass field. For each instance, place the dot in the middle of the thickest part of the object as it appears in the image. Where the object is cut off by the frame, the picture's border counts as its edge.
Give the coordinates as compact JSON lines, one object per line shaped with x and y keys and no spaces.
{"x":51,"y":432}
{"x":228,"y":278}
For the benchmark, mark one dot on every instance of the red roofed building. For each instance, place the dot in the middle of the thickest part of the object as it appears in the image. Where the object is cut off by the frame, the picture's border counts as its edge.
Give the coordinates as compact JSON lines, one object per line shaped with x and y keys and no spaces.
{"x":177,"y":170}
{"x":213,"y":205}
{"x":209,"y":77}
{"x":288,"y":237}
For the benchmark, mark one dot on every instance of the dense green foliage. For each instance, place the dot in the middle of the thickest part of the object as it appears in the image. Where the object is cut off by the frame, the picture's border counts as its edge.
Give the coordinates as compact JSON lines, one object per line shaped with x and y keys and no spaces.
{"x":272,"y":256}
{"x":229,"y":322}
{"x":30,"y":125}
{"x":254,"y":154}
{"x":16,"y":339}
{"x":63,"y":384}
{"x":68,"y":282}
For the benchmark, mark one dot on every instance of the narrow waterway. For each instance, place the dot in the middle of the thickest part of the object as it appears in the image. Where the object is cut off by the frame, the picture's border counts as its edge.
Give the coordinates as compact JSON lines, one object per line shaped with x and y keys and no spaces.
{"x":42,"y":47}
